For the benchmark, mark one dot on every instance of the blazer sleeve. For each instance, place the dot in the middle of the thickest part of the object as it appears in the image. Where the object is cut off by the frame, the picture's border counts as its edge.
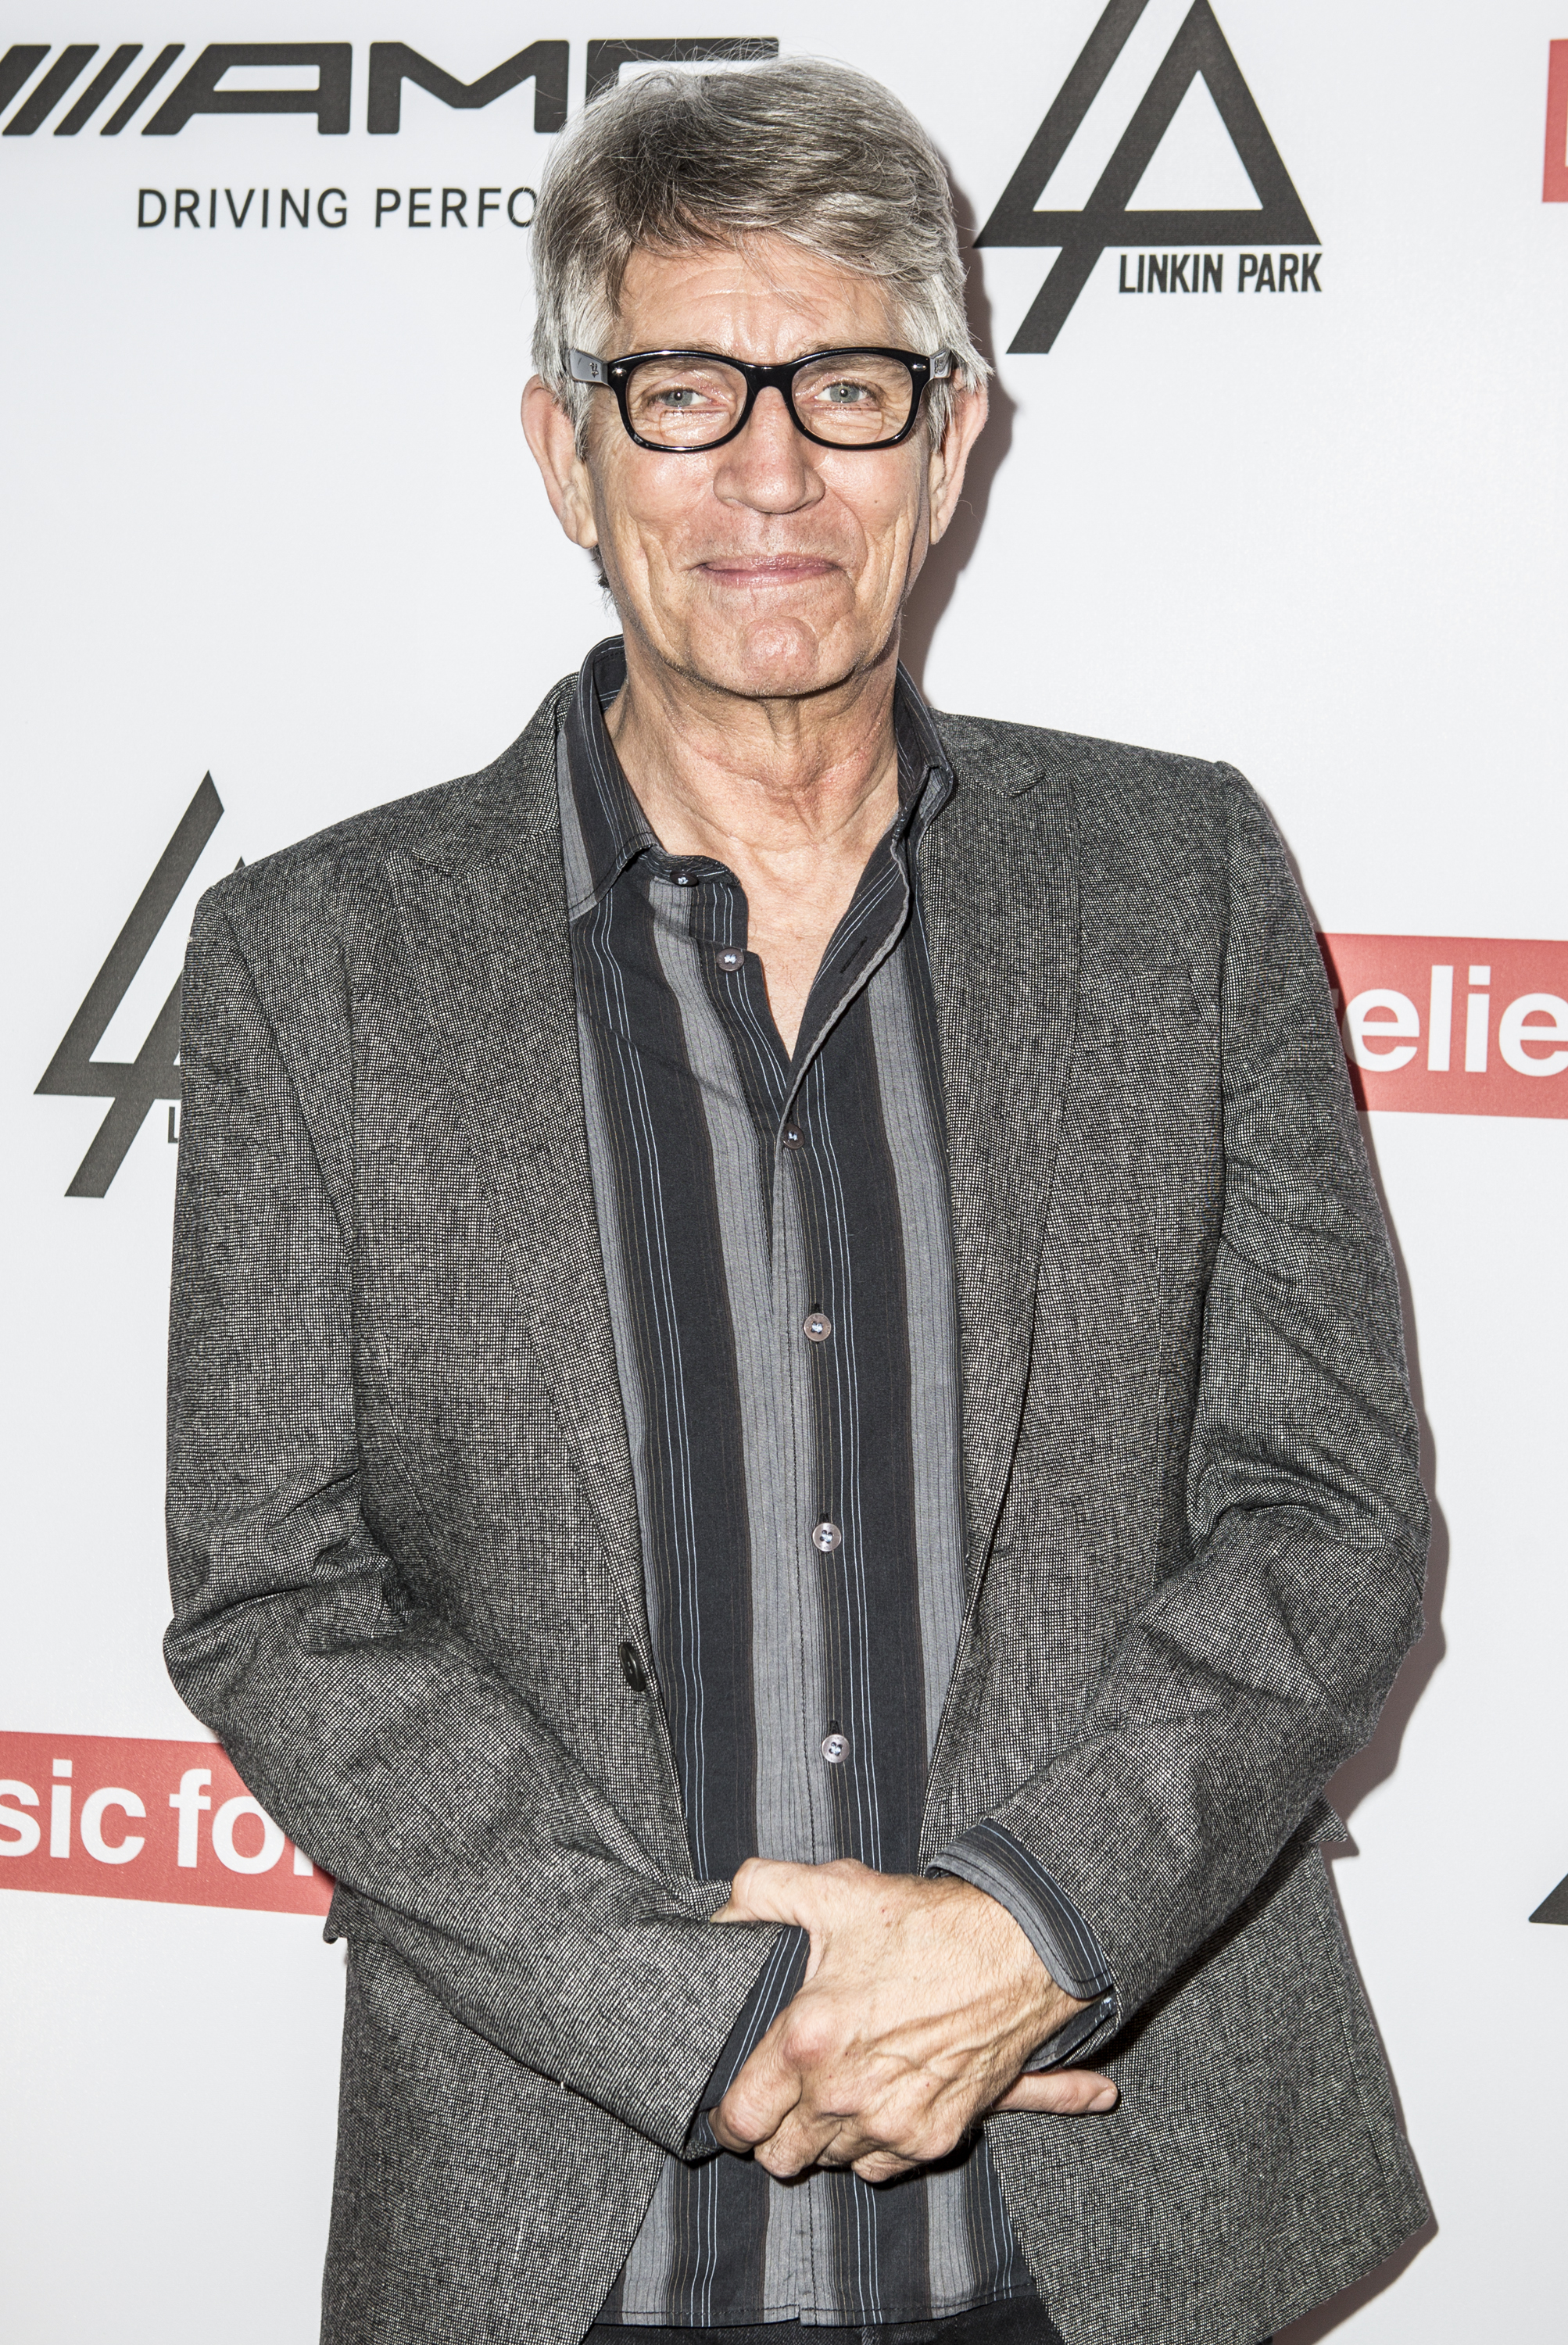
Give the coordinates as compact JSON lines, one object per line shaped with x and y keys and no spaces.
{"x":456,"y":1824}
{"x":1258,"y":1667}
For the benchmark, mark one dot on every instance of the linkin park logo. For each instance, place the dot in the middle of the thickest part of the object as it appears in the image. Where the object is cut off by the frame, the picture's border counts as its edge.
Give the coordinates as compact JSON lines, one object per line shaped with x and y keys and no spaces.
{"x":1555,"y":1907}
{"x":1199,"y":48}
{"x":133,"y":1085}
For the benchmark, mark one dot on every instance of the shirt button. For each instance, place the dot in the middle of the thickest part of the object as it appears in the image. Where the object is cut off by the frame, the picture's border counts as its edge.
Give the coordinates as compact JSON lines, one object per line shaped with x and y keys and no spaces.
{"x":826,"y":1537}
{"x":817,"y":1326}
{"x":792,"y":1136}
{"x":633,"y":1671}
{"x":682,"y":879}
{"x":835,"y":1748}
{"x":730,"y":959}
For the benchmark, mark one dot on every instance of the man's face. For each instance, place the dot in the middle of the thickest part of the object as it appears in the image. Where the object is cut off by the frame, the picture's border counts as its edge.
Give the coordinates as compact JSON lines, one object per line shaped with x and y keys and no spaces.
{"x":771,"y":567}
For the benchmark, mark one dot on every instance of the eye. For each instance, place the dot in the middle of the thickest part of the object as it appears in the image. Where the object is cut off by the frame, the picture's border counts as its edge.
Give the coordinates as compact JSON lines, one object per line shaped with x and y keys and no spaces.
{"x":671,"y":399}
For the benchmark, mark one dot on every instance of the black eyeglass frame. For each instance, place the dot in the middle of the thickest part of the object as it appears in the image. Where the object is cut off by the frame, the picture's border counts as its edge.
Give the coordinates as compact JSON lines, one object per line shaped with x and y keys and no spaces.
{"x":616,"y":374}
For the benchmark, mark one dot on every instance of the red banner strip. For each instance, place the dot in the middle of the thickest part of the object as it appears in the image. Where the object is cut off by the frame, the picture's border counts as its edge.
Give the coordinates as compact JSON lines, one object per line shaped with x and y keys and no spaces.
{"x":1453,"y":1025}
{"x":91,"y":1815}
{"x":1554,"y":187}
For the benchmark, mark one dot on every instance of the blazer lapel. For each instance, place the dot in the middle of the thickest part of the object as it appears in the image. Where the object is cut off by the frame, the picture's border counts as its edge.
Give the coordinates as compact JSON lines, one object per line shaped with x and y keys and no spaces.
{"x":1000,"y":890}
{"x":489,"y":958}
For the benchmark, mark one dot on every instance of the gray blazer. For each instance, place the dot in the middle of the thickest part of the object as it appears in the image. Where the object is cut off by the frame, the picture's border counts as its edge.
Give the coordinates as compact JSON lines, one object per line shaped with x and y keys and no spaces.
{"x":405,"y":1540}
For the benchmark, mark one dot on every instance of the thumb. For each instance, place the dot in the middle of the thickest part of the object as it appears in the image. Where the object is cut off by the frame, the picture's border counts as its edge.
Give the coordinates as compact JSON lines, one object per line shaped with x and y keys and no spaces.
{"x":1067,"y":2093}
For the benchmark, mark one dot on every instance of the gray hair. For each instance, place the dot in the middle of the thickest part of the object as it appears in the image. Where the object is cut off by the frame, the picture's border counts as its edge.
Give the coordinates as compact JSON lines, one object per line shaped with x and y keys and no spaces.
{"x":800,"y":148}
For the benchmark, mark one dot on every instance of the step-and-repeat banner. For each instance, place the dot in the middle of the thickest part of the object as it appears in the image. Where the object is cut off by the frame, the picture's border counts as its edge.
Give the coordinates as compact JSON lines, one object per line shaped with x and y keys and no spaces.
{"x":1278,"y":296}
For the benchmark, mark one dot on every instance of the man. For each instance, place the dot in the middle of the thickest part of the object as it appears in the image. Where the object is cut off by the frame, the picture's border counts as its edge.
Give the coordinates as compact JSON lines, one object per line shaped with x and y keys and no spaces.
{"x":779,"y":1323}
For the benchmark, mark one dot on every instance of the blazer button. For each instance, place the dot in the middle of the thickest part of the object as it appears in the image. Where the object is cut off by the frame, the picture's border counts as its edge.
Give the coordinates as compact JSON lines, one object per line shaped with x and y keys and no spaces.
{"x":633,"y":1671}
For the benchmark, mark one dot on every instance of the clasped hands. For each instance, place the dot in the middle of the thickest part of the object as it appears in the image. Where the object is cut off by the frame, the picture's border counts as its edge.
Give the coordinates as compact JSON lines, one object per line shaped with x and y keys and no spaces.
{"x":921,"y":2001}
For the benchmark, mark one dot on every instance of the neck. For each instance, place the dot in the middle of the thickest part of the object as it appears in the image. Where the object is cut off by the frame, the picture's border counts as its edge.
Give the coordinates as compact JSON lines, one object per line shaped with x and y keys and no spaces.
{"x":784,"y":783}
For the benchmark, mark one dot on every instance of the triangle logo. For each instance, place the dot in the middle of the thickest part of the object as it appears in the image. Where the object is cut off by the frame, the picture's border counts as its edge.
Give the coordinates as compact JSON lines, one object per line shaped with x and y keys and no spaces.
{"x":1555,"y":1907}
{"x":1196,"y":165}
{"x":132,"y":1086}
{"x":1111,"y":218}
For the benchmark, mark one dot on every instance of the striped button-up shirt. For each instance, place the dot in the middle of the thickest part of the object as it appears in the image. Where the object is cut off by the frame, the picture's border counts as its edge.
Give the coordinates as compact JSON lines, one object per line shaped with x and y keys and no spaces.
{"x":779,"y":1263}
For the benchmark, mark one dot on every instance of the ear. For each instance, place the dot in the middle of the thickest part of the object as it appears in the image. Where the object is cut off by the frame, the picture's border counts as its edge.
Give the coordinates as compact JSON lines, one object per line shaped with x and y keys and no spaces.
{"x":950,"y":458}
{"x":550,"y":434}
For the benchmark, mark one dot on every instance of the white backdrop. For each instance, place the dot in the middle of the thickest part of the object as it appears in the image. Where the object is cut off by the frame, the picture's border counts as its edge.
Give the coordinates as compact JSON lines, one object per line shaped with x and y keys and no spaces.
{"x":267,"y":514}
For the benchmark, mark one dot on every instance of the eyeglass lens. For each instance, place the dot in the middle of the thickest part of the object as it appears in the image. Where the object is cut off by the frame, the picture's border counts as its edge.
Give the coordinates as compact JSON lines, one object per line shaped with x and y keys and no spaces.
{"x":852,"y":398}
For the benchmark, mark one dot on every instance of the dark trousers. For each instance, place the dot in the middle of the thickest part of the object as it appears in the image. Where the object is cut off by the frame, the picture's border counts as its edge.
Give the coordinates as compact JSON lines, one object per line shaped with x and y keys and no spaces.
{"x":1022,"y":2321}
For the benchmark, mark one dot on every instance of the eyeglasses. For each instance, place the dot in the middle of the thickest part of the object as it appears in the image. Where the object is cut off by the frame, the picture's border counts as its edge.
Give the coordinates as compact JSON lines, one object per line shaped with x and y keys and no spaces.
{"x":684,"y":402}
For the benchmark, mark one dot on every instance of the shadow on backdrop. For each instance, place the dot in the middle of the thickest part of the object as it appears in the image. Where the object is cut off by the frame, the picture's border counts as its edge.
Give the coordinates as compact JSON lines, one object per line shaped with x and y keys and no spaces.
{"x":1315,"y":2326}
{"x":1378,"y":1761}
{"x":946,"y":563}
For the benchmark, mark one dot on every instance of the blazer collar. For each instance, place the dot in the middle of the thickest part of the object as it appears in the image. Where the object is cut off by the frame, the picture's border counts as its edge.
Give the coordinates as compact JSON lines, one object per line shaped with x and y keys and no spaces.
{"x":606,"y":827}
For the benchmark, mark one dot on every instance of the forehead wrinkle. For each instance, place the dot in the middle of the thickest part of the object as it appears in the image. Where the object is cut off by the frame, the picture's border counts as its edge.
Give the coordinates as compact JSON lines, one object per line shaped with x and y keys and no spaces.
{"x":757,"y":262}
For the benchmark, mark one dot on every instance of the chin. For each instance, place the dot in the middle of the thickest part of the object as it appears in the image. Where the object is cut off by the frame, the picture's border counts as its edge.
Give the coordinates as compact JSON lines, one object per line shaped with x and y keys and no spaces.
{"x":775,"y":658}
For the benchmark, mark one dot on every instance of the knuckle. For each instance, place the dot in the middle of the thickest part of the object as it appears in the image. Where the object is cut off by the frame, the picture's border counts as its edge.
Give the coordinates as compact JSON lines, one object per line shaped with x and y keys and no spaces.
{"x":745,"y":2118}
{"x":808,"y":2039}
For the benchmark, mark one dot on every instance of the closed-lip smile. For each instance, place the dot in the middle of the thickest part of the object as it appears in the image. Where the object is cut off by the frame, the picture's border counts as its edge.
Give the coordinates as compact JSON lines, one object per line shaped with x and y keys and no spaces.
{"x":765,"y":568}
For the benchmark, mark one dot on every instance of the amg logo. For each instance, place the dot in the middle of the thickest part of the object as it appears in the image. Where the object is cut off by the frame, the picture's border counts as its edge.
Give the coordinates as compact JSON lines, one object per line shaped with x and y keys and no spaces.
{"x":199,"y":89}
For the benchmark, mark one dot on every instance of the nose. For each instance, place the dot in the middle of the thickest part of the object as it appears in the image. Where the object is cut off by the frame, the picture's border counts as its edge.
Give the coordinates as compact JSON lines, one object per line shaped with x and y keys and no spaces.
{"x":769,"y":466}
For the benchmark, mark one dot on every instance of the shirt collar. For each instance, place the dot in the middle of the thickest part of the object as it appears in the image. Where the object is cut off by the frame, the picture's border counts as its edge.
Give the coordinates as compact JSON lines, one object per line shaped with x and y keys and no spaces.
{"x":611,"y":829}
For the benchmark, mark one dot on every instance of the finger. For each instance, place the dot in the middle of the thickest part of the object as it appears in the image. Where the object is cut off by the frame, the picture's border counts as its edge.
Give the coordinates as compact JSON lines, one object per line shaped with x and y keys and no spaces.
{"x":786,"y":2156}
{"x":1069,"y":2092}
{"x":835,"y":2138}
{"x":746,"y":2117}
{"x":812,"y":2136}
{"x":767,"y":1890}
{"x":798,"y":2144}
{"x":742,"y":2137}
{"x":883,"y":2166}
{"x":760,"y":2098}
{"x":724,"y":2134}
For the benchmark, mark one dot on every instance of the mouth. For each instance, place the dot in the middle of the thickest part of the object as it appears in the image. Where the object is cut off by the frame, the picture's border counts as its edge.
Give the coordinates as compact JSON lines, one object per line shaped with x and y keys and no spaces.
{"x":752,"y":571}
